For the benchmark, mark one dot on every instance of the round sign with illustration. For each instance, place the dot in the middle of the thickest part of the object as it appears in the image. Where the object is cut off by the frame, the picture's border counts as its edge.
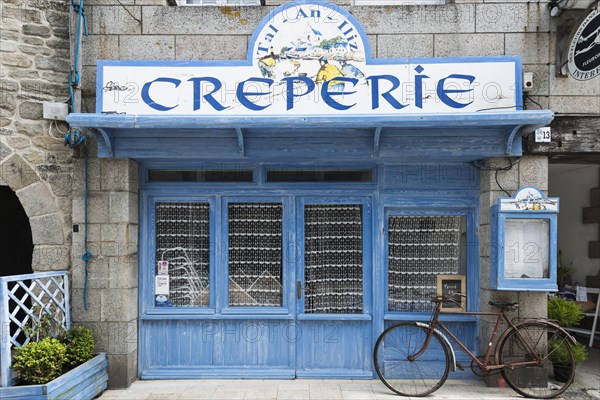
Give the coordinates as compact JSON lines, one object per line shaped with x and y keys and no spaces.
{"x":313,"y":41}
{"x":584,"y":51}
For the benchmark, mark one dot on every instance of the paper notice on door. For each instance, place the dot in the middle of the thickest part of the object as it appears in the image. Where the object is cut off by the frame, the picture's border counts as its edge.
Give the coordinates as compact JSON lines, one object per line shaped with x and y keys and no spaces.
{"x":161,"y":284}
{"x":163,"y":268}
{"x":526,"y":251}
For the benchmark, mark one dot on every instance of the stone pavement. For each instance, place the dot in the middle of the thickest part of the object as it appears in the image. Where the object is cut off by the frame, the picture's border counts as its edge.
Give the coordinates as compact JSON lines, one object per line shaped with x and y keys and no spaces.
{"x":310,"y":389}
{"x":585,"y":387}
{"x":321,"y":389}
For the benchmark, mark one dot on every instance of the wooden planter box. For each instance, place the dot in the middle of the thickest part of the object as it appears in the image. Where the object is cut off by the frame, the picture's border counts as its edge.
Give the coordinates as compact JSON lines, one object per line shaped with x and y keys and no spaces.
{"x":83,"y":382}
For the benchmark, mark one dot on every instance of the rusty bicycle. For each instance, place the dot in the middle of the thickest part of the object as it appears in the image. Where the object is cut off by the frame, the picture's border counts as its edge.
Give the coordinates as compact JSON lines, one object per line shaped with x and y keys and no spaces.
{"x":414,"y":358}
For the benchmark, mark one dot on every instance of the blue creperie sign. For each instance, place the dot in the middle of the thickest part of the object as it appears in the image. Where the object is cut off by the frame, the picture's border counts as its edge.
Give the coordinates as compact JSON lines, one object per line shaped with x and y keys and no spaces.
{"x":310,"y":58}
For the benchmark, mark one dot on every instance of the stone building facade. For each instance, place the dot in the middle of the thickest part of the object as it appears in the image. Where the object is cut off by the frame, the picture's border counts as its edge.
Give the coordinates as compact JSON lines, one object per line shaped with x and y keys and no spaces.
{"x":48,"y":177}
{"x":34,"y":59}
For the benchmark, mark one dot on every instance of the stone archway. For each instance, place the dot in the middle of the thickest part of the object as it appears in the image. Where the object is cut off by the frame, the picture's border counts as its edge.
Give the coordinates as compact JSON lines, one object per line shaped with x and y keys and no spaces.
{"x":16,"y":244}
{"x":48,"y":235}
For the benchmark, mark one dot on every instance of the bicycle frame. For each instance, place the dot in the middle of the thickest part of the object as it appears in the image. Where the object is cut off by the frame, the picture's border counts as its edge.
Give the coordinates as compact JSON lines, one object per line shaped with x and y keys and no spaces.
{"x":525,"y":365}
{"x":484,"y":364}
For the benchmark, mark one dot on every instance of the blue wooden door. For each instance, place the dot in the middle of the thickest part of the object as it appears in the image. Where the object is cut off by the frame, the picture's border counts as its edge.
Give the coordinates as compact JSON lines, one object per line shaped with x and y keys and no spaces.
{"x":259,"y":286}
{"x":333,"y":288}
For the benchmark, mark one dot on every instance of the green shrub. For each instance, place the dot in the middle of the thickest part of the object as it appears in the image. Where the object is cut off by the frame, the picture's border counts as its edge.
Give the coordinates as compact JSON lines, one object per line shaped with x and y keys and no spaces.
{"x":80,"y":346}
{"x":40,"y":362}
{"x":566,"y":312}
{"x":558,"y":352}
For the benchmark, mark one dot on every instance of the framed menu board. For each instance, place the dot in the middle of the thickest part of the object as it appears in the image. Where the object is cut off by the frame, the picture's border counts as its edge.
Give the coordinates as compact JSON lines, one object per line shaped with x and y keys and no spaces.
{"x":447,"y":285}
{"x":523,"y":236}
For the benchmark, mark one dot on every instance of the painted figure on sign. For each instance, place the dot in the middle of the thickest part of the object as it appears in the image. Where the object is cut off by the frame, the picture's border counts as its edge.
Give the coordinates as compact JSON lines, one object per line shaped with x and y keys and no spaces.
{"x":351,"y":71}
{"x":267,"y":63}
{"x":596,"y":41}
{"x":328,"y":73}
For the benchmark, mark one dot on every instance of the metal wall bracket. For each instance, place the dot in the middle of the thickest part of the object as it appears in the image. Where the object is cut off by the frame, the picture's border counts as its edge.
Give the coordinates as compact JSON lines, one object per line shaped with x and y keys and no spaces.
{"x":511,"y":138}
{"x":240,"y":139}
{"x":108,"y":140}
{"x":376,"y":140}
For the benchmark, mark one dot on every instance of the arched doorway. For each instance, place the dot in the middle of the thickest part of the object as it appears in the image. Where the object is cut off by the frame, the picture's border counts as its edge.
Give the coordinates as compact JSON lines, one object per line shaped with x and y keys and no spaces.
{"x":16,"y":245}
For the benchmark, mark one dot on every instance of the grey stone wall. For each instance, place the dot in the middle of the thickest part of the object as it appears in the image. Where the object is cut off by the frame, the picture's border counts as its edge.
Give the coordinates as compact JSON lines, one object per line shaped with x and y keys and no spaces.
{"x":530,"y":171}
{"x":112,"y":296}
{"x":34,"y":65}
{"x":142,"y":30}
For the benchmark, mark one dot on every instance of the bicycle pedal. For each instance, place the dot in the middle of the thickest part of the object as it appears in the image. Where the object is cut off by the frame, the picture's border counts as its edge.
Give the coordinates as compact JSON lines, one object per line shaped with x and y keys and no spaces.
{"x":461,"y":367}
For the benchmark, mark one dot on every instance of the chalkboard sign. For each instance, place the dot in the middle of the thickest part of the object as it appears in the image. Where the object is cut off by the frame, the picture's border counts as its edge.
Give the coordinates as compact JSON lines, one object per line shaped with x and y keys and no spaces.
{"x":449,"y":284}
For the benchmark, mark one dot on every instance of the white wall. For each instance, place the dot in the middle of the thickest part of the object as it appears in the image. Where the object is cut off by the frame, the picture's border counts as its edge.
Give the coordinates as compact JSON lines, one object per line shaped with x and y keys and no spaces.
{"x":572,"y":183}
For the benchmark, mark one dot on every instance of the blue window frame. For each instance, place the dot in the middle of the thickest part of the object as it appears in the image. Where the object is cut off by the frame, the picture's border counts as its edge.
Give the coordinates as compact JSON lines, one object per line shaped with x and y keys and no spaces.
{"x":421,"y":247}
{"x":231,"y":306}
{"x":365,"y":204}
{"x":536,"y":251}
{"x":468,"y":257}
{"x":179,"y":257}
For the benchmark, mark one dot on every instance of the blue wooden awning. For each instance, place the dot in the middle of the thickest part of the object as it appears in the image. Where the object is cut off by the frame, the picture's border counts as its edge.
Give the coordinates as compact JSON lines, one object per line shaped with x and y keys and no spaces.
{"x":404,"y":137}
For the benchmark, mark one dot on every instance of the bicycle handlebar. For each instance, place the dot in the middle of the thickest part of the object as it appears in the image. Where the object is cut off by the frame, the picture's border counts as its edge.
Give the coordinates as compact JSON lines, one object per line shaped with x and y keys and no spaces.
{"x":451,"y":298}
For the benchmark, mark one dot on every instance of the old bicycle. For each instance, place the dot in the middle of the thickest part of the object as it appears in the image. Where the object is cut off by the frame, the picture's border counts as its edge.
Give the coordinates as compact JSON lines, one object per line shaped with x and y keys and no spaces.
{"x":414,"y":358}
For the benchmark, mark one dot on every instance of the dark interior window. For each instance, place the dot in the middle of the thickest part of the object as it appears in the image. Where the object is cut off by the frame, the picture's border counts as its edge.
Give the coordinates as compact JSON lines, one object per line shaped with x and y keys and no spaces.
{"x":235,"y":175}
{"x":295,"y":175}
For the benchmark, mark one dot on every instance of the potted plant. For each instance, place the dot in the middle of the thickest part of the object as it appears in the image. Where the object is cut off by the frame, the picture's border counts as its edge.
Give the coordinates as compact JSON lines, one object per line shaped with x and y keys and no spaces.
{"x":57,"y":363}
{"x":566,"y":313}
{"x":563,"y":272}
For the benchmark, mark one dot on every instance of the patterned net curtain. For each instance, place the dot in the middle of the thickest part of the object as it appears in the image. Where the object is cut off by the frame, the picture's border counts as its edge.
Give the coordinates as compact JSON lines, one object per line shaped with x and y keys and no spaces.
{"x":182,"y":239}
{"x":333,"y":259}
{"x":419,"y":249}
{"x":255,"y":254}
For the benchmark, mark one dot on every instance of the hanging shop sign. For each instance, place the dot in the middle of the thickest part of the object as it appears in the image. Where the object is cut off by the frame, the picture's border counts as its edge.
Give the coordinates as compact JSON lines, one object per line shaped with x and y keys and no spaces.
{"x":524,"y":242}
{"x":309,"y":57}
{"x":584,"y":51}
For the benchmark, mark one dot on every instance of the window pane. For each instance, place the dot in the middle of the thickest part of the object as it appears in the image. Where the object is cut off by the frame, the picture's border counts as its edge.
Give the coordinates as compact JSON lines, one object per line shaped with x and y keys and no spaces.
{"x":236,"y":175}
{"x":182,"y":240}
{"x":255,"y":254}
{"x":526,"y":248}
{"x":419,"y":249}
{"x":359,"y":175}
{"x":333,"y":259}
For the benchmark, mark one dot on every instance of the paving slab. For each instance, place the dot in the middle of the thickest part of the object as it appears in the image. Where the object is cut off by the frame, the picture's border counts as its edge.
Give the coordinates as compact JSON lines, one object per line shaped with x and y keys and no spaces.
{"x":585,"y":387}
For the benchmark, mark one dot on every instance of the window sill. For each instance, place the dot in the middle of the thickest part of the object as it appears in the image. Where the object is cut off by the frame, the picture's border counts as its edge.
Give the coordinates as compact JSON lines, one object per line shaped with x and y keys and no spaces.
{"x":212,"y":317}
{"x":334,"y":317}
{"x":426,"y":317}
{"x":255,"y":311}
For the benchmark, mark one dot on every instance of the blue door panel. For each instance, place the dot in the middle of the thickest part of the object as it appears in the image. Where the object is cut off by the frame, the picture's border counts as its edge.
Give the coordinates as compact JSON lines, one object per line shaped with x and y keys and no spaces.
{"x":283,"y":342}
{"x":205,"y":343}
{"x":334,"y":346}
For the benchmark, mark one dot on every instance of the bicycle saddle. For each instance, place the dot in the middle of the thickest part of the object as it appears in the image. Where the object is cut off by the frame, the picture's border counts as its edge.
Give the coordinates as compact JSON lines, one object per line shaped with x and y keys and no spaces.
{"x":504,"y":305}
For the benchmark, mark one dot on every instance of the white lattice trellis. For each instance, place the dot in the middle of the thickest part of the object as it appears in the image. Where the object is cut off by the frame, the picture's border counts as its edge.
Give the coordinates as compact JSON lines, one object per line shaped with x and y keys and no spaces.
{"x":23,"y":300}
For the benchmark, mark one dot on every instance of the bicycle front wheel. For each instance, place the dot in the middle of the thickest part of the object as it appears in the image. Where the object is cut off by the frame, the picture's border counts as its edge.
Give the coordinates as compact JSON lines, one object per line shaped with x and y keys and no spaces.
{"x":540,"y":343}
{"x":399,"y":371}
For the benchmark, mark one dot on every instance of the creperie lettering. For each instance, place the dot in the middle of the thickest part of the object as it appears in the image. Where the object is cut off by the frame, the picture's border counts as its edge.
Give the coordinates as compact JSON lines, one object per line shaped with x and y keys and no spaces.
{"x":453,"y":90}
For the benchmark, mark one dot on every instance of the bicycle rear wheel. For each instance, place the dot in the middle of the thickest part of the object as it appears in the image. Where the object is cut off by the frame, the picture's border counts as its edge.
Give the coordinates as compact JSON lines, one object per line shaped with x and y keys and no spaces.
{"x":542,"y":380}
{"x":419,"y":377}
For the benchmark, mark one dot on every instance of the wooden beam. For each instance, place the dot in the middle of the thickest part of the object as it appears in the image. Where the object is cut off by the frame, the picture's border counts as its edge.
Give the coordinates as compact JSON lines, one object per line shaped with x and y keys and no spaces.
{"x":571,"y":136}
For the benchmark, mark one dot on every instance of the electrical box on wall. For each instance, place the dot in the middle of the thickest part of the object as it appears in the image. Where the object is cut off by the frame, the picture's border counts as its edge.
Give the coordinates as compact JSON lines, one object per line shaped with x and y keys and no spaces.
{"x":523,"y":243}
{"x":56,"y":111}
